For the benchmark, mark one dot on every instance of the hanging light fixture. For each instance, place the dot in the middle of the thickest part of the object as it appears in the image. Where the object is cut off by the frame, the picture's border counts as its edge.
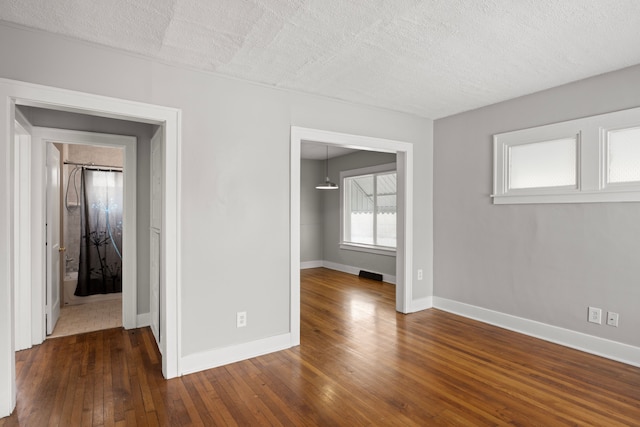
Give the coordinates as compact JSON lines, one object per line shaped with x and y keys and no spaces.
{"x":327,"y":184}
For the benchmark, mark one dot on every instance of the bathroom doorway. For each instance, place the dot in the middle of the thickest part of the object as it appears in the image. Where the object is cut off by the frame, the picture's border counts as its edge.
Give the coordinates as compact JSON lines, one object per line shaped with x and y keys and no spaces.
{"x":88,"y":140}
{"x":91,"y":211}
{"x":107,"y":249}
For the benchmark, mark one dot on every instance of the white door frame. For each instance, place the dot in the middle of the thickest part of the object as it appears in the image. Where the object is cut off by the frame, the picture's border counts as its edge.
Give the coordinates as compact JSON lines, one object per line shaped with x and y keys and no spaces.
{"x":14,"y":93}
{"x":404,"y":250}
{"x":41,"y":136}
{"x":155,"y":233}
{"x":22,"y":234}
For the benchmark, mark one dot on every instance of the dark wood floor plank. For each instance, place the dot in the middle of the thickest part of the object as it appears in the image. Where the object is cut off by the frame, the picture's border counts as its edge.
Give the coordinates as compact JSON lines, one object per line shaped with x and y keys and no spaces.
{"x":359,"y":363}
{"x":157,"y":386}
{"x":96,"y":405}
{"x":65,"y":389}
{"x":206,"y":401}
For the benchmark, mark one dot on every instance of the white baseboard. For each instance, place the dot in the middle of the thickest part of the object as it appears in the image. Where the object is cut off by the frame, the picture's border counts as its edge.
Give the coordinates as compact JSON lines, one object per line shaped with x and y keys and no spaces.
{"x":223,"y":356}
{"x":356,"y":270}
{"x":421,"y":304}
{"x":310,"y":264}
{"x":143,"y":320}
{"x":588,"y":343}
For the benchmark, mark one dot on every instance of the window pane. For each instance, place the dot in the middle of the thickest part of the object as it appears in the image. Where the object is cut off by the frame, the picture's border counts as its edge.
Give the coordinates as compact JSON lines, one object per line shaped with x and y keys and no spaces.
{"x":624,"y":155}
{"x":362,"y":228}
{"x":361,"y":203}
{"x":386,"y":209}
{"x":543,"y":164}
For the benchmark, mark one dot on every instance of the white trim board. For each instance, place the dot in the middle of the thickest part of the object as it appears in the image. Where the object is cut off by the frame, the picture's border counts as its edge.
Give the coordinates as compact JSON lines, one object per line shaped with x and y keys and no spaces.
{"x":143,"y":320}
{"x":577,"y":340}
{"x":223,"y":356}
{"x":22,"y":233}
{"x":311,"y":264}
{"x":421,"y":304}
{"x":343,"y":268}
{"x":356,"y":270}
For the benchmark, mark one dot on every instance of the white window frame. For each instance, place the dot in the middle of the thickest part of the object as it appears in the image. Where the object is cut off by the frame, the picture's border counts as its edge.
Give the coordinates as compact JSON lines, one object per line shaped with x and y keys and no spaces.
{"x":360,"y":247}
{"x":591,"y":161}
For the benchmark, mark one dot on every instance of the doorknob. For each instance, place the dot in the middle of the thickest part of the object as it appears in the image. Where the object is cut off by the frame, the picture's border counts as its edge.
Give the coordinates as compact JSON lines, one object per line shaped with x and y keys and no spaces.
{"x":61,"y":249}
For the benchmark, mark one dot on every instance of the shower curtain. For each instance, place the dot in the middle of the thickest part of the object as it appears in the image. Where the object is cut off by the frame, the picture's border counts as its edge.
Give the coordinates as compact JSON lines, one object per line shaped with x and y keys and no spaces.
{"x":100,"y":270}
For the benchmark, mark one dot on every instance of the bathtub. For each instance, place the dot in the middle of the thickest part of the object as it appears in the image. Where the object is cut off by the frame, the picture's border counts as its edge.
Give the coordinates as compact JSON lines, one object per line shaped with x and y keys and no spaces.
{"x":70,"y":283}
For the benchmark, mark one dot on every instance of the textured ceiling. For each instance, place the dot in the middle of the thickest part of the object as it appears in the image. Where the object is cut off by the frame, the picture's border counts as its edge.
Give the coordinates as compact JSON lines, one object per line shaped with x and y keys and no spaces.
{"x":431,"y":58}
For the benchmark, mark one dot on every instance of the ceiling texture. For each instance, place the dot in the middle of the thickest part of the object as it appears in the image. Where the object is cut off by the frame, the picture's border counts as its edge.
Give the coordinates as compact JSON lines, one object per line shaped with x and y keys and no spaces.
{"x":429,"y":58}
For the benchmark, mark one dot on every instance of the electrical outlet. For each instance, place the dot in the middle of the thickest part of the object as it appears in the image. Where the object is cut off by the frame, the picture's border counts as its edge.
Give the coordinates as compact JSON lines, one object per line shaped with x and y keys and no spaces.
{"x":420,"y":274}
{"x":612,"y":319}
{"x":241,"y":319}
{"x":595,"y":315}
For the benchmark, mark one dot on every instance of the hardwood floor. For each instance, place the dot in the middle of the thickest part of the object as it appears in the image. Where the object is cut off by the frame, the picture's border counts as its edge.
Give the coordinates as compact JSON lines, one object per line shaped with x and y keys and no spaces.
{"x":359,"y":363}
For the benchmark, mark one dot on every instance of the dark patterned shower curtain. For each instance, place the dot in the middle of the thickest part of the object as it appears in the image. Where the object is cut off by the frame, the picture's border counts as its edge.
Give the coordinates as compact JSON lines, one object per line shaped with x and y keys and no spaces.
{"x":100,"y":270}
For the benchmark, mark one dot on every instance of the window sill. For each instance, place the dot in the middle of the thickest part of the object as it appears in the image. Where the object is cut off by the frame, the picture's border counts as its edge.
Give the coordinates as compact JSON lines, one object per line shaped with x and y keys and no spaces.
{"x":379,"y":250}
{"x":575,"y":197}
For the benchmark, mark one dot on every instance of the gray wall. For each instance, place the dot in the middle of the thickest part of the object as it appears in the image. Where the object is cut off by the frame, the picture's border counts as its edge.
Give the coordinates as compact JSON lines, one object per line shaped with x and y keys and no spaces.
{"x":332,"y":252}
{"x":311,"y":210}
{"x":235,"y":174}
{"x":143,"y":133}
{"x":541,"y":262}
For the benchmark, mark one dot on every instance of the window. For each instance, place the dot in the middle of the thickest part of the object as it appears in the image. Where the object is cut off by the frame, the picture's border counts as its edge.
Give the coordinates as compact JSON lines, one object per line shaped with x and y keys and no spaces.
{"x":623,"y":151}
{"x":369,"y":209}
{"x":595,"y":159}
{"x":543,"y":164}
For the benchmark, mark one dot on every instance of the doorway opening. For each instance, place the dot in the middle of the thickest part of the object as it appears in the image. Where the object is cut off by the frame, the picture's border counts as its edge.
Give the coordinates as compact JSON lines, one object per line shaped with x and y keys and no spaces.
{"x":351,"y":225}
{"x":59,"y":155}
{"x":404,"y":245}
{"x":92,"y":221}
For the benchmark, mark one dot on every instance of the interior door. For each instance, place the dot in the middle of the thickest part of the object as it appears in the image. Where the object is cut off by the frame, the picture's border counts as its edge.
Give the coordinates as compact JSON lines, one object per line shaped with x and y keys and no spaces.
{"x":53,"y":237}
{"x":156,"y":233}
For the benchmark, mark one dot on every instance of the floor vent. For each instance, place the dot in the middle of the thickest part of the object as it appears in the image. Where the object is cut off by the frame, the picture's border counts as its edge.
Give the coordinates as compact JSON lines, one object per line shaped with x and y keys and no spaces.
{"x":370,"y":275}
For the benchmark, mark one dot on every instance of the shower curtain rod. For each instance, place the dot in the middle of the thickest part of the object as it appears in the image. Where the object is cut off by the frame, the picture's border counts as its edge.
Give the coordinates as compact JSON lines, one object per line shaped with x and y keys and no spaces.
{"x":92,"y":165}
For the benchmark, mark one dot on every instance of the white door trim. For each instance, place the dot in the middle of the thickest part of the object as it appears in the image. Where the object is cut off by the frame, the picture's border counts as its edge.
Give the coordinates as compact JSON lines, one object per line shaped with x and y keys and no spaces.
{"x":404,"y":251}
{"x":14,"y":92}
{"x":155,"y":234}
{"x":22,"y":234}
{"x":40,"y":137}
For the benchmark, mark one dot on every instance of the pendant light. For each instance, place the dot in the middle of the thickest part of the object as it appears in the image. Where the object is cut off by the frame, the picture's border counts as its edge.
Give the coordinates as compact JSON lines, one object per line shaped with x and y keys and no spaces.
{"x":327,"y":184}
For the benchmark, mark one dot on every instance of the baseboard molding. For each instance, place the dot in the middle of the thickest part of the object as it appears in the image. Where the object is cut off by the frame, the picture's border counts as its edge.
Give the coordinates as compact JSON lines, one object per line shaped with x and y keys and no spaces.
{"x":310,"y":264}
{"x":577,"y":340}
{"x":223,"y":356}
{"x":356,"y":270}
{"x":421,"y":304}
{"x":143,"y":320}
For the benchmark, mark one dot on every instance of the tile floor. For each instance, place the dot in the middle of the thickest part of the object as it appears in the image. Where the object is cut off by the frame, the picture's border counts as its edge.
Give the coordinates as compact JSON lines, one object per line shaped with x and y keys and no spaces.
{"x":95,"y":316}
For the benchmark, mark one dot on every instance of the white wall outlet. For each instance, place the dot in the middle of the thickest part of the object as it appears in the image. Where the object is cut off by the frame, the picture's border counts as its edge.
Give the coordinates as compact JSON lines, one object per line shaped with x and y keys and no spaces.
{"x":420,"y":274}
{"x":241,"y":319}
{"x":612,"y":319}
{"x":595,"y":315}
